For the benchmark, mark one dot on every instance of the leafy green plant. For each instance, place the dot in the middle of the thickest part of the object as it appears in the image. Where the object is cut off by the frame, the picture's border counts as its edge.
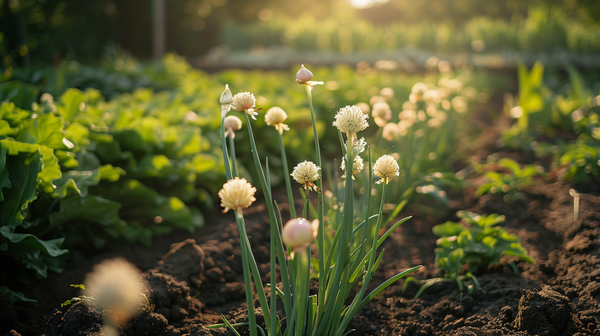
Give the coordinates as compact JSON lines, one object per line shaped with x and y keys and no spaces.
{"x":506,"y":177}
{"x":464,"y":247}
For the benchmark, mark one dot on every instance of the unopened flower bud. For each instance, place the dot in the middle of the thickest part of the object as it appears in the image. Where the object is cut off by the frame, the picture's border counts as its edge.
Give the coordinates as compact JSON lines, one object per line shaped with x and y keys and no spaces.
{"x":226,"y":96}
{"x":298,"y":233}
{"x":303,"y":75}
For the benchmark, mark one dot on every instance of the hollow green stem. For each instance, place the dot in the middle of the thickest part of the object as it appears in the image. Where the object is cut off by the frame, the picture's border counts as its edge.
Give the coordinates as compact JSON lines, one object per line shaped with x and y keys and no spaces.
{"x":224,"y":146}
{"x":232,"y":155}
{"x":286,"y":178}
{"x":321,"y":229}
{"x":239,"y":220}
{"x":303,"y":282}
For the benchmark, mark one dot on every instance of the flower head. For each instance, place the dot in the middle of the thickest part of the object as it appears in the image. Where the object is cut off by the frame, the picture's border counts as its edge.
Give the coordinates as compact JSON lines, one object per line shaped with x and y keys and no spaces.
{"x":386,"y":168}
{"x":298,"y":233}
{"x":391,"y":131}
{"x":381,"y":113}
{"x":237,"y":194}
{"x":275,"y":117}
{"x":351,"y":119}
{"x":115,"y":284}
{"x":244,"y":101}
{"x":306,"y":173}
{"x":357,"y":166}
{"x":232,"y":124}
{"x":304,"y":76}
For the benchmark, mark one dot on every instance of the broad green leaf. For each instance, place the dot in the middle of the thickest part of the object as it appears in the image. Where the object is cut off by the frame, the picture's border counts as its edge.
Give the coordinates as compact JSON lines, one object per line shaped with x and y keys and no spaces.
{"x":13,"y":114}
{"x":23,"y":170}
{"x":71,"y":103}
{"x":448,"y":229}
{"x":92,"y":209}
{"x":21,"y":94}
{"x":12,"y":296}
{"x":6,"y":130}
{"x":4,"y":178}
{"x":45,"y":130}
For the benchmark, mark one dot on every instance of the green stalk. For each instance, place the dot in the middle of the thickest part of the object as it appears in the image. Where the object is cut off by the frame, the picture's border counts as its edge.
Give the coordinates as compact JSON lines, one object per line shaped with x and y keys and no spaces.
{"x":225,"y":155}
{"x":286,"y":178}
{"x":285,"y":280}
{"x":272,"y":219}
{"x":232,"y":153}
{"x":303,"y":282}
{"x":239,"y":220}
{"x":352,"y":310}
{"x":321,"y":229}
{"x":331,"y":301}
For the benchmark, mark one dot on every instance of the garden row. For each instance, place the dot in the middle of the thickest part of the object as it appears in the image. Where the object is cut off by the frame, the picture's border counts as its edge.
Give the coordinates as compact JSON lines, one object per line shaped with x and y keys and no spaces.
{"x":79,"y":172}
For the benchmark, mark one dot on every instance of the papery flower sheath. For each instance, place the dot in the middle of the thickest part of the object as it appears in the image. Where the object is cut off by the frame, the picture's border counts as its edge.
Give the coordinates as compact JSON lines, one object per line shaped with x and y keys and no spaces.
{"x":298,"y":233}
{"x":304,"y":76}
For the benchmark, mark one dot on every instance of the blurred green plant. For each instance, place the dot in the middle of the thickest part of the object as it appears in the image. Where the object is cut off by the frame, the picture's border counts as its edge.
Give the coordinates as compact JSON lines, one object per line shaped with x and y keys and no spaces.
{"x":563,"y":125}
{"x":469,"y":245}
{"x":541,"y":31}
{"x":506,"y":177}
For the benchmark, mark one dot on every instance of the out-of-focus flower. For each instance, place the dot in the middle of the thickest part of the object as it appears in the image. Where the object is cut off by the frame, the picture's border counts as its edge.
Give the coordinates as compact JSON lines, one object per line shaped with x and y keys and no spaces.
{"x":306,"y":173}
{"x":364,"y":107}
{"x":387,"y":93}
{"x":381,"y":113}
{"x":232,"y":124}
{"x":351,"y":120}
{"x":298,"y":233}
{"x":386,"y":168}
{"x":304,"y":76}
{"x":459,"y":104}
{"x":237,"y":194}
{"x":115,"y":285}
{"x":376,"y":99}
{"x":275,"y":117}
{"x":357,"y":166}
{"x":244,"y":101}
{"x":391,"y":132}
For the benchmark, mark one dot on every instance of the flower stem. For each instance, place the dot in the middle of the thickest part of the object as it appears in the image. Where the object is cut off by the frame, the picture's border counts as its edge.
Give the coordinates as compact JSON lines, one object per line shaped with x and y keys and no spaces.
{"x":286,"y":178}
{"x":232,"y":154}
{"x":321,"y":229}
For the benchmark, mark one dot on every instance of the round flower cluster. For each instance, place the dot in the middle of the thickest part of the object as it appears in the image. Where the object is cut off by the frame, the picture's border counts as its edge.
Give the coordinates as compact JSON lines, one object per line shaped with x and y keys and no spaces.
{"x":237,"y":194}
{"x":115,"y":284}
{"x":351,"y":120}
{"x":232,"y":124}
{"x":306,"y":173}
{"x":386,"y":168}
{"x":244,"y":101}
{"x":357,"y":166}
{"x":275,"y":117}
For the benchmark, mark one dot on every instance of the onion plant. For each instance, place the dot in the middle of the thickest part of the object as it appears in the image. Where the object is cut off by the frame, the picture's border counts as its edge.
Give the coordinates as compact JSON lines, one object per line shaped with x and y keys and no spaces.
{"x":347,"y":240}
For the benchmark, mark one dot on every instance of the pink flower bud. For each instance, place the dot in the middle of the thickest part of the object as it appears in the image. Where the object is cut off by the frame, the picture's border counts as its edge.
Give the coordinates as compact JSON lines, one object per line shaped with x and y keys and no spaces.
{"x":298,"y":233}
{"x":303,"y":75}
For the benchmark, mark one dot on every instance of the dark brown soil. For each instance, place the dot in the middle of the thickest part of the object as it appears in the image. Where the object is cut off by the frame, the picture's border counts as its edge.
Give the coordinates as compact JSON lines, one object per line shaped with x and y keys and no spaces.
{"x":194,"y":278}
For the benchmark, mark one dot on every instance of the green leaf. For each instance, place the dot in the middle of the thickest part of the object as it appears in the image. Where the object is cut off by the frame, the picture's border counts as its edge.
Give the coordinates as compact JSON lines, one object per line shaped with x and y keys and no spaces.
{"x":4,"y":178}
{"x":71,"y":102}
{"x":12,"y":296}
{"x":448,"y":229}
{"x":45,"y":130}
{"x":22,"y":170}
{"x":92,"y":209}
{"x":21,"y":94}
